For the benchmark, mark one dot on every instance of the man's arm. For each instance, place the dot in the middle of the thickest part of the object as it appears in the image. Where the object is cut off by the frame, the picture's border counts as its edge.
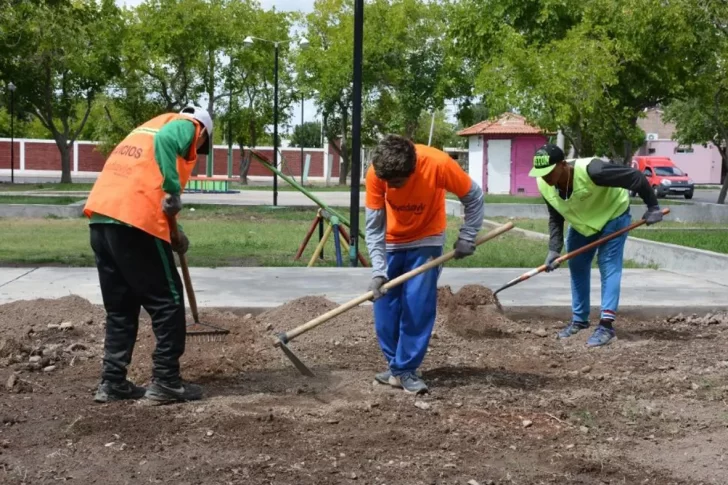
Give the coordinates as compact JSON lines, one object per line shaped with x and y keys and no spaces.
{"x":611,"y":175}
{"x":174,"y":139}
{"x":376,"y":229}
{"x":474,"y":212}
{"x":556,"y":229}
{"x":455,"y":180}
{"x":376,"y":224}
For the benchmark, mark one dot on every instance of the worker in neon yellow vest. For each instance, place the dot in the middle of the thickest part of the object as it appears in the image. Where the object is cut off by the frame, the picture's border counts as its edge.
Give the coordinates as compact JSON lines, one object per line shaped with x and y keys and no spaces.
{"x":592,"y":196}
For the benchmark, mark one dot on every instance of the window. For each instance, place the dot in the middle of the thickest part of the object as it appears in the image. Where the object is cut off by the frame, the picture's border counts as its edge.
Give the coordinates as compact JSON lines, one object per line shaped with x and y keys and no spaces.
{"x":650,"y":151}
{"x":668,"y":171}
{"x":684,"y":149}
{"x":648,"y":172}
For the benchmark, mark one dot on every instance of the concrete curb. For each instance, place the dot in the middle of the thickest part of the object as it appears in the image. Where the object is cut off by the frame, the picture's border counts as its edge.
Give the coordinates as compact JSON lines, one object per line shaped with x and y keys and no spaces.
{"x":665,"y":256}
{"x":37,"y":211}
{"x":710,"y":213}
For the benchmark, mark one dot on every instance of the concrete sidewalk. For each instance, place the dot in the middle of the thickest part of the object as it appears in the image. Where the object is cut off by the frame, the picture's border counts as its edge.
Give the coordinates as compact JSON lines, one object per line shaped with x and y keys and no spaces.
{"x":644,"y":292}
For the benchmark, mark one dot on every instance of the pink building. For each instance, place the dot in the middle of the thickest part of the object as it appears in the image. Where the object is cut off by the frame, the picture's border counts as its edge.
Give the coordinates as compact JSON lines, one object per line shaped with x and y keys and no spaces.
{"x":500,"y":154}
{"x":702,"y":163}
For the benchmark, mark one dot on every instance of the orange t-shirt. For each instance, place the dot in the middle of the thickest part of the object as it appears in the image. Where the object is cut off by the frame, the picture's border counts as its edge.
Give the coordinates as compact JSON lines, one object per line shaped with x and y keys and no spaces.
{"x":417,"y":210}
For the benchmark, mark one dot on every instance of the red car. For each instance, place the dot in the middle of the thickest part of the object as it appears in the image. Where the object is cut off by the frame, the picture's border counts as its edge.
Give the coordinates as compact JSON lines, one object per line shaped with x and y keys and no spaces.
{"x":664,"y":176}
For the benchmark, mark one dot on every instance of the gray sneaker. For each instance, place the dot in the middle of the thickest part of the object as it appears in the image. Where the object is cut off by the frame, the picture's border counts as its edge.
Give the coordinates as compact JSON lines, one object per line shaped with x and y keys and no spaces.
{"x":384,"y":377}
{"x":161,"y":392}
{"x":411,"y":383}
{"x":118,"y":391}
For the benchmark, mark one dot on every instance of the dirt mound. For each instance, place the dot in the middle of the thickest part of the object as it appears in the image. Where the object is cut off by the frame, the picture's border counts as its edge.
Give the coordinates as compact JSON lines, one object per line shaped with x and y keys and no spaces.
{"x":45,"y":334}
{"x":295,"y":312}
{"x":246,"y":347}
{"x":472,"y":312}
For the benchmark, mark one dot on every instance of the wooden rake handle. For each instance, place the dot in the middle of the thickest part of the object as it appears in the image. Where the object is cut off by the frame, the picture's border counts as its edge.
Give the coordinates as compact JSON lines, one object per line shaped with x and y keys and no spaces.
{"x":288,"y":336}
{"x":576,"y":252}
{"x":174,"y":234}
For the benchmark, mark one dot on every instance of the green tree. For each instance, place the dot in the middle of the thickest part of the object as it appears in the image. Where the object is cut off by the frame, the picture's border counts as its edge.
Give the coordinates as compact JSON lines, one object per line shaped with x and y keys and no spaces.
{"x":444,"y":133}
{"x":64,"y":53}
{"x":589,"y":68}
{"x":307,"y":135}
{"x":702,"y":116}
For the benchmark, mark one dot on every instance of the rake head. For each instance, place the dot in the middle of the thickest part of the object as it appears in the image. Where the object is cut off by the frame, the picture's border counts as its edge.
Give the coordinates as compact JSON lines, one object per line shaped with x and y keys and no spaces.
{"x":204,"y":332}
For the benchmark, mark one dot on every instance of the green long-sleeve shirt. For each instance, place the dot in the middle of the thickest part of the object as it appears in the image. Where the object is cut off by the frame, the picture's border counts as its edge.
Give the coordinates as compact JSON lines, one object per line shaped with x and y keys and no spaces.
{"x":172,"y":140}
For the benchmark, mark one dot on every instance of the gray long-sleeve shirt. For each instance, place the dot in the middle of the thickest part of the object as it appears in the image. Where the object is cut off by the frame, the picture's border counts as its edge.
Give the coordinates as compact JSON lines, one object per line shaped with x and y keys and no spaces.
{"x":606,"y":175}
{"x":376,"y":228}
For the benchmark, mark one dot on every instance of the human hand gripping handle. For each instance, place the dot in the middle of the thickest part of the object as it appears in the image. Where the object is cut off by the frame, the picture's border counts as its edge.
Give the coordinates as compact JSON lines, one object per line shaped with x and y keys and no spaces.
{"x":171,"y":205}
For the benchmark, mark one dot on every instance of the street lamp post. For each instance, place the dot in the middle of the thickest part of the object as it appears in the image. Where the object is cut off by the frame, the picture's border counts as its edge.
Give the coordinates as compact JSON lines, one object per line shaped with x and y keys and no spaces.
{"x":356,"y":131}
{"x":11,"y":88}
{"x":248,"y":42}
{"x":302,"y":100}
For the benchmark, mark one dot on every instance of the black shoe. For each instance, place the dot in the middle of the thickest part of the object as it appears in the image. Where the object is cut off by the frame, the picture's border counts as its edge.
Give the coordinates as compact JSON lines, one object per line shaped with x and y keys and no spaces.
{"x":117,"y":391}
{"x":161,"y":392}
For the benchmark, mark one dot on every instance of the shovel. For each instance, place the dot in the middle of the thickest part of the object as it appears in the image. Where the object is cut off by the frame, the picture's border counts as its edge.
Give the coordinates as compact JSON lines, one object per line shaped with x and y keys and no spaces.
{"x":576,"y":252}
{"x":282,"y":339}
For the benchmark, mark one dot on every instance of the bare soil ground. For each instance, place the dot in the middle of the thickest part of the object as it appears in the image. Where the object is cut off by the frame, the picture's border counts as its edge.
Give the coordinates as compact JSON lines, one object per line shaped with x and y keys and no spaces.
{"x":509,"y":403}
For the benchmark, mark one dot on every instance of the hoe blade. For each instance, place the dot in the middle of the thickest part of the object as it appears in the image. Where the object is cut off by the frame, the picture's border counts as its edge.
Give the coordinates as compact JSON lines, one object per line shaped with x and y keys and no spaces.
{"x":296,"y":361}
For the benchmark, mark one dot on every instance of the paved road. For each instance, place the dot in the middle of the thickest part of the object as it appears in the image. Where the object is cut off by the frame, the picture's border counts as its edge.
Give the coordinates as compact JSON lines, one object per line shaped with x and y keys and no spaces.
{"x":645,"y":292}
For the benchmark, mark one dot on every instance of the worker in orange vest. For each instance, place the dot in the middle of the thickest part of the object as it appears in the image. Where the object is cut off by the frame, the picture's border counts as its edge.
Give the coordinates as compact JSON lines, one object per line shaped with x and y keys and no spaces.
{"x":138,"y":188}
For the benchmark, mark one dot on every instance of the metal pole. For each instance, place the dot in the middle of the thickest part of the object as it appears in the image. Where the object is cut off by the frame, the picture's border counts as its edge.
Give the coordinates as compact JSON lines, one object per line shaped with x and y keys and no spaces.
{"x":275,"y":127}
{"x":301,"y":141}
{"x":12,"y":135}
{"x":432,"y":128}
{"x":356,"y":131}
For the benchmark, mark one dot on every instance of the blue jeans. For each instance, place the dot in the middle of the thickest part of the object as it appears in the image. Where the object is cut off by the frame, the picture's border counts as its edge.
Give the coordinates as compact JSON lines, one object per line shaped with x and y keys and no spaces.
{"x":610,"y":258}
{"x":405,"y":315}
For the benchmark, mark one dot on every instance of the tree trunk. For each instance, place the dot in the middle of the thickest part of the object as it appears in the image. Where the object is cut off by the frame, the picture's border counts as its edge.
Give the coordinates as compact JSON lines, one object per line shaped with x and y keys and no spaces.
{"x":65,"y":161}
{"x":244,"y":166}
{"x":724,"y":187}
{"x":345,"y":160}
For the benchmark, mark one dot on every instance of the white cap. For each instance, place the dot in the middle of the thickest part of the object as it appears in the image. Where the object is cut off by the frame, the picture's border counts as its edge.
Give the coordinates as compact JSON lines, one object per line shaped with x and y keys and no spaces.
{"x":203,"y":117}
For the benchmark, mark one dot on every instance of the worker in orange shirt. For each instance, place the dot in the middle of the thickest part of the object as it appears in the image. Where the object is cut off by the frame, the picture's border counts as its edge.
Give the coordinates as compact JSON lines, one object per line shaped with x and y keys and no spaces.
{"x":405,"y":227}
{"x":128,"y":208}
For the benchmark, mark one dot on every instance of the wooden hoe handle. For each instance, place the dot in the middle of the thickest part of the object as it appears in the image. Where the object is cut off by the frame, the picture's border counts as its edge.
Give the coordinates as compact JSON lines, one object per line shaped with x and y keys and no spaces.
{"x":288,"y":336}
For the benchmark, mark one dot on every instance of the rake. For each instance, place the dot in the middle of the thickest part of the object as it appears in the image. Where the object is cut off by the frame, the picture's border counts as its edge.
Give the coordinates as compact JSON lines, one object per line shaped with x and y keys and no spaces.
{"x":197,"y":332}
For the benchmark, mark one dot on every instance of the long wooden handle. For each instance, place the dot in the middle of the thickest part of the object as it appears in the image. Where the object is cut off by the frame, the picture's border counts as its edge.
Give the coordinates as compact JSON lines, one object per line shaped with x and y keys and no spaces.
{"x":174,"y":234}
{"x":288,"y":336}
{"x":573,"y":253}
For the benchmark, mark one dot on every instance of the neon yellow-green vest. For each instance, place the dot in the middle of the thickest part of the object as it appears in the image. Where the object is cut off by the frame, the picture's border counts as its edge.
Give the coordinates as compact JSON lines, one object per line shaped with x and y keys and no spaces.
{"x":590,"y":206}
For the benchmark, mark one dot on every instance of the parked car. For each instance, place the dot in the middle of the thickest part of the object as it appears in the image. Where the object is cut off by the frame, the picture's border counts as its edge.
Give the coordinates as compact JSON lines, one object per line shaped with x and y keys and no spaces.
{"x":664,"y":176}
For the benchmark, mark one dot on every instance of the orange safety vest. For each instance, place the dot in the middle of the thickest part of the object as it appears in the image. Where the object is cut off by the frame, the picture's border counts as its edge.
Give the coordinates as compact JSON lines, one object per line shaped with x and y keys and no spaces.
{"x":129,"y":187}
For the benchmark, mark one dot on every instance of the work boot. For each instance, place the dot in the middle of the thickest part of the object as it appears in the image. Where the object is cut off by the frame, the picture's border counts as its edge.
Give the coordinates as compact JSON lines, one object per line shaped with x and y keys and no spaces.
{"x":602,"y":336}
{"x":572,"y":329}
{"x":164,"y":392}
{"x":410,"y":383}
{"x":117,"y":391}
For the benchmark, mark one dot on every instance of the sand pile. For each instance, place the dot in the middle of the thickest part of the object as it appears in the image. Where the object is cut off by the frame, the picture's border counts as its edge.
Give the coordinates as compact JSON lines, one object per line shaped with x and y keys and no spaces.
{"x":472,"y":312}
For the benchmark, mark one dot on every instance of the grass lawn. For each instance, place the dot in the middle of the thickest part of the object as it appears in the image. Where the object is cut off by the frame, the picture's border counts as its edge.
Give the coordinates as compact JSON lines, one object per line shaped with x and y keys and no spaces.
{"x":284,"y":187}
{"x":524,"y":199}
{"x":4,"y":186}
{"x":711,"y":237}
{"x":233,"y":236}
{"x":21,"y":199}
